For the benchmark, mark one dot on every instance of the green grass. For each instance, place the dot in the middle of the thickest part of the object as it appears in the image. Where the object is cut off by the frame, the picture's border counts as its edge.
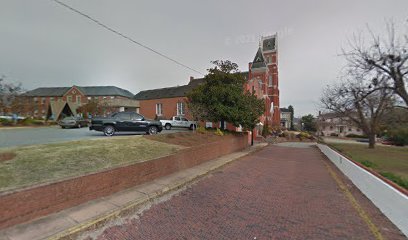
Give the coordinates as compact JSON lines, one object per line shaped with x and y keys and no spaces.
{"x":50,"y":162}
{"x":389,"y":161}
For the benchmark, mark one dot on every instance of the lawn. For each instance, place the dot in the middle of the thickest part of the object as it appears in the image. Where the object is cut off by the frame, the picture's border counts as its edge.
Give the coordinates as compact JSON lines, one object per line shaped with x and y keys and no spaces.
{"x":389,"y":161}
{"x":25,"y":166}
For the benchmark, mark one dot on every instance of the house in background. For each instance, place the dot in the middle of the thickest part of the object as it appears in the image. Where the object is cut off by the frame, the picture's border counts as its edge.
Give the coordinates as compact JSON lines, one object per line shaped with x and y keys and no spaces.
{"x":333,"y":124}
{"x":286,"y":117}
{"x":57,"y":102}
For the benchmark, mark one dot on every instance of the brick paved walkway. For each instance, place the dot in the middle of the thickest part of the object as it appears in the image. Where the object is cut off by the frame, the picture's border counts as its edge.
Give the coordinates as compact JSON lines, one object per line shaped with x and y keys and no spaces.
{"x":276,"y":193}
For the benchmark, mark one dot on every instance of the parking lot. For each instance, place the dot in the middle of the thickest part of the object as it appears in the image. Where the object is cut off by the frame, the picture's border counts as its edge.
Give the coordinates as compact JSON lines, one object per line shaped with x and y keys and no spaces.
{"x":12,"y":137}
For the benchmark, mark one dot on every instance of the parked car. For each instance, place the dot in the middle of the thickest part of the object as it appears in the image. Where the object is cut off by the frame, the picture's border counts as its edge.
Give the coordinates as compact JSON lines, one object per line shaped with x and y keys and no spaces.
{"x":179,"y":121}
{"x":125,"y":122}
{"x":71,"y":122}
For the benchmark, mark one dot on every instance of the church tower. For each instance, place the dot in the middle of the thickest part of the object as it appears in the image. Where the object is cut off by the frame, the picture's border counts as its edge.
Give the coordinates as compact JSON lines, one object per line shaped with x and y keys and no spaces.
{"x":270,"y":53}
{"x":263,"y":79}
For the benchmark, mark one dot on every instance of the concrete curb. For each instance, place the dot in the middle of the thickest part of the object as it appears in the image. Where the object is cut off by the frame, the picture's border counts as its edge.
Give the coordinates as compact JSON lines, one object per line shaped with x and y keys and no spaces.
{"x":391,"y":202}
{"x":75,"y":221}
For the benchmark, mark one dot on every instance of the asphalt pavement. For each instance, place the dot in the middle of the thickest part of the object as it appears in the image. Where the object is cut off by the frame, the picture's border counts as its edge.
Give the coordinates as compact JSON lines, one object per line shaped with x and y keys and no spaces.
{"x":13,"y":137}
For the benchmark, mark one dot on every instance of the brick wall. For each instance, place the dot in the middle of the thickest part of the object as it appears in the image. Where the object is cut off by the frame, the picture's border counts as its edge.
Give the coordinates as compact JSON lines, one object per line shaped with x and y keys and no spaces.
{"x":21,"y":206}
{"x":169,"y":107}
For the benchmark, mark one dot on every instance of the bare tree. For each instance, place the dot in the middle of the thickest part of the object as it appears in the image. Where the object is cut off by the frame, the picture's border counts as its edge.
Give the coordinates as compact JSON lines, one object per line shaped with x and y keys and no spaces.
{"x":382,"y":62}
{"x":350,"y":99}
{"x":8,"y":94}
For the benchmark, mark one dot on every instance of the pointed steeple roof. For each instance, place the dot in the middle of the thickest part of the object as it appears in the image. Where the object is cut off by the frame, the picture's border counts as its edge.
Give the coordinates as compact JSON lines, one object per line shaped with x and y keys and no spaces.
{"x":259,"y":61}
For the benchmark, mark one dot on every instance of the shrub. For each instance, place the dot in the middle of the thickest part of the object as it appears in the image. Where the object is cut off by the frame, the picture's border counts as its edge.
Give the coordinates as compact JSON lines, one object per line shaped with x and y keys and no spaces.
{"x":201,"y":129}
{"x":368,"y":164}
{"x":218,"y":132}
{"x":6,"y":122}
{"x":399,"y":136}
{"x":397,"y":179}
{"x":29,"y":122}
{"x":351,"y":135}
{"x":334,"y":135}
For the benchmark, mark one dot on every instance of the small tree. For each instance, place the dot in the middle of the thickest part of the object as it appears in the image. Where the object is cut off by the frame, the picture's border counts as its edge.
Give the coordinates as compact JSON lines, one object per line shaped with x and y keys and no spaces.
{"x":8,"y":94}
{"x":222,"y":97}
{"x":350,"y":100}
{"x":292,"y":112}
{"x":308,"y":123}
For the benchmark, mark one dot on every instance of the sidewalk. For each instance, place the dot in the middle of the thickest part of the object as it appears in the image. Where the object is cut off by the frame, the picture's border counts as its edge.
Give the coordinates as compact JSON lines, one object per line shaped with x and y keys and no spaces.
{"x":70,"y":222}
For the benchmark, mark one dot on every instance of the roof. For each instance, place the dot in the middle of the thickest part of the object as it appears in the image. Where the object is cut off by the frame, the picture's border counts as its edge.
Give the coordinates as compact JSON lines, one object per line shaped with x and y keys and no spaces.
{"x":42,"y":92}
{"x":171,"y":92}
{"x":284,"y":110}
{"x":105,"y":91}
{"x":87,"y":90}
{"x":259,"y":61}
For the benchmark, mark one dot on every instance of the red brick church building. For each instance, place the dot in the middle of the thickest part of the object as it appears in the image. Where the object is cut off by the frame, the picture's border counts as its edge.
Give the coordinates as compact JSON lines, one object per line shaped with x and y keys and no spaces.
{"x":261,"y":77}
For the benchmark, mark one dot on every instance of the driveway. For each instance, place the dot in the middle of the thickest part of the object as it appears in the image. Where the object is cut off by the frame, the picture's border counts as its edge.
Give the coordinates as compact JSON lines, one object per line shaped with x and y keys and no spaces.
{"x":12,"y":137}
{"x":280,"y":192}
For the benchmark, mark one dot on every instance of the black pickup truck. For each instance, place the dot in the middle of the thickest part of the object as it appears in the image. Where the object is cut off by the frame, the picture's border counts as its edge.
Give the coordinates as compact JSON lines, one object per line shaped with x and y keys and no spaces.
{"x":125,"y":122}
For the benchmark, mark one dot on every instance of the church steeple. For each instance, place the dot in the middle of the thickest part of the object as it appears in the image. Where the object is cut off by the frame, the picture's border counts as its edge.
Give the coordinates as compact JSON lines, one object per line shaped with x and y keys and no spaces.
{"x":259,"y":61}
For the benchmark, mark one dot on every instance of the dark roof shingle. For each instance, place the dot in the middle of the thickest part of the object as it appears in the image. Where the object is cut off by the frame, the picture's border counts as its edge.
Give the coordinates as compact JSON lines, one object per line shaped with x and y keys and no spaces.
{"x":88,"y":91}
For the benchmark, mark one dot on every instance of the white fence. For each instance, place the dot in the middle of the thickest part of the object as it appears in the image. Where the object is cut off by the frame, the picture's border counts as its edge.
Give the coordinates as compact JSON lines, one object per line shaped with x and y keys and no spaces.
{"x":390,"y":201}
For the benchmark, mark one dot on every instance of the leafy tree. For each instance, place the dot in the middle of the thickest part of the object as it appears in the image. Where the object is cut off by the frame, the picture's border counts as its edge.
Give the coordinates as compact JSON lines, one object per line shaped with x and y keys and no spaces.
{"x":309,"y":123}
{"x":222,"y":97}
{"x":292,"y":112}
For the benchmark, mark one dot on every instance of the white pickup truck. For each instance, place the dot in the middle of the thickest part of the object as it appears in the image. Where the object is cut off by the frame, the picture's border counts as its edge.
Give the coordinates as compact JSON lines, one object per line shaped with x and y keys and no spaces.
{"x":179,"y":122}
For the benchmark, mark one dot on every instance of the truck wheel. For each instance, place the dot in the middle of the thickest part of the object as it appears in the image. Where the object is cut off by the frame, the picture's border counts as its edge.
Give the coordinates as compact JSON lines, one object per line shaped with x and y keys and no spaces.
{"x":167,"y":126}
{"x":152,"y":130}
{"x":193,"y":127}
{"x":109,"y":131}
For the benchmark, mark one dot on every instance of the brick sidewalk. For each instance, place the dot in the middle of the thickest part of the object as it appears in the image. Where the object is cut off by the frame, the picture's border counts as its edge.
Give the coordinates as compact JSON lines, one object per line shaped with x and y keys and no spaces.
{"x":276,"y":193}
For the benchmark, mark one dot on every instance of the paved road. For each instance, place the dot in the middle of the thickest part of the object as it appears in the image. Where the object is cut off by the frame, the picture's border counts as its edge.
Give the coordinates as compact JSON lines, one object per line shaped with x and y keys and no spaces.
{"x":280,"y":192}
{"x":27,"y":136}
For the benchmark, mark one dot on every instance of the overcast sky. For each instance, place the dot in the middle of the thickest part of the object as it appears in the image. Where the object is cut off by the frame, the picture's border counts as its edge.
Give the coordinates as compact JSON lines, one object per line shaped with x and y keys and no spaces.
{"x":43,"y":44}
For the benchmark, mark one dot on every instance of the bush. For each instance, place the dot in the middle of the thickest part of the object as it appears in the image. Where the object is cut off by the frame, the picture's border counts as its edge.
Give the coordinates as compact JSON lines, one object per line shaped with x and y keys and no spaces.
{"x":351,"y":135}
{"x":304,"y":135}
{"x":30,"y":122}
{"x":201,"y":130}
{"x":397,"y":179}
{"x":218,"y":132}
{"x":368,"y":164}
{"x":6,"y":122}
{"x":334,"y":135}
{"x":399,"y":136}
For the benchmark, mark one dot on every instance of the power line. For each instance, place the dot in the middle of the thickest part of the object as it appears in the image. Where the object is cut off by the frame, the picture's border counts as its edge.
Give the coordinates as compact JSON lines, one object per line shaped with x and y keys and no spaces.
{"x":123,"y":35}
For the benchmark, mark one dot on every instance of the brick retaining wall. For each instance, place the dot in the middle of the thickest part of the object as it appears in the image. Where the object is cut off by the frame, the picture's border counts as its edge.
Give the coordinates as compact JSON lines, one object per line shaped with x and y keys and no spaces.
{"x":24,"y":205}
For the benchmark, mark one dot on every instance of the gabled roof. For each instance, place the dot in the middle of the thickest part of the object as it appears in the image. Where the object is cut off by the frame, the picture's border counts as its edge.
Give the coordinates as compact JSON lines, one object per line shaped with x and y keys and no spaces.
{"x":88,"y":91}
{"x":171,"y":92}
{"x":105,"y":91}
{"x":44,"y":91}
{"x":259,"y":61}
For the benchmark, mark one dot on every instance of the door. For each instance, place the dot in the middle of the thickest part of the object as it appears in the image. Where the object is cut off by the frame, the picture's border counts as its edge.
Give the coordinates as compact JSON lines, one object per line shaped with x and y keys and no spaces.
{"x":184,"y":122}
{"x":177,"y":122}
{"x":122,"y":121}
{"x":138,"y":123}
